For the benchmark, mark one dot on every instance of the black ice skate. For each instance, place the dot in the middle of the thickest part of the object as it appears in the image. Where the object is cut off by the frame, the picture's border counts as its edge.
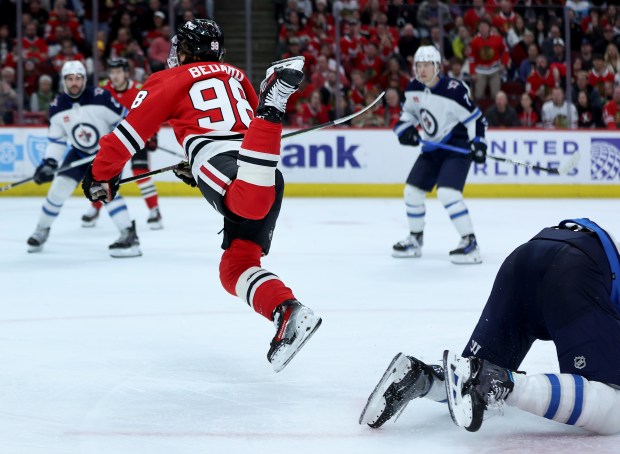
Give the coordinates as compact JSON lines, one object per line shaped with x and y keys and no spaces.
{"x":295,"y":324}
{"x":154,"y":219}
{"x":38,"y":239}
{"x":282,"y":80}
{"x":474,"y":385}
{"x":410,"y":246}
{"x":127,"y":244}
{"x":89,"y":219}
{"x":406,"y":378}
{"x":467,"y":252}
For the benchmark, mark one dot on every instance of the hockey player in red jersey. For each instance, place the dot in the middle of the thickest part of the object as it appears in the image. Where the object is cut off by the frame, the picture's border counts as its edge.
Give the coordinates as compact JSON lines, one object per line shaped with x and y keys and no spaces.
{"x":210,"y":105}
{"x":124,"y":90}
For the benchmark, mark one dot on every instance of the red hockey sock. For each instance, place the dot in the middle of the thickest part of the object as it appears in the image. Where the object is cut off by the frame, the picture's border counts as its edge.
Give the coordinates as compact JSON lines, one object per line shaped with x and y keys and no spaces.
{"x":253,"y":191}
{"x":147,"y":188}
{"x":241,"y":275}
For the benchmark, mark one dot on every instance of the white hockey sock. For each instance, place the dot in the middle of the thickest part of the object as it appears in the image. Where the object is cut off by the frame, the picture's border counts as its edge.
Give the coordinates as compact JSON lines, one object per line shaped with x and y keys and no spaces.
{"x":60,"y":190}
{"x":250,"y":280}
{"x":416,"y":211}
{"x":117,"y":209}
{"x":147,"y":188}
{"x":452,"y":201}
{"x":568,"y":399}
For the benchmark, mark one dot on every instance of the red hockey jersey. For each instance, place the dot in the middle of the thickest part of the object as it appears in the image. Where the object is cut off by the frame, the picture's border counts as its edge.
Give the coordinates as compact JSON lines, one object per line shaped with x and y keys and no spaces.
{"x":198,"y":99}
{"x":126,"y":96}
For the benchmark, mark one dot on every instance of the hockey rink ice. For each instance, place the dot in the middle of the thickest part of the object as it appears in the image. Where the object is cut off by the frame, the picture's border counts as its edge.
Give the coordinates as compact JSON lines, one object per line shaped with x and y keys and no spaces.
{"x":151,"y":355}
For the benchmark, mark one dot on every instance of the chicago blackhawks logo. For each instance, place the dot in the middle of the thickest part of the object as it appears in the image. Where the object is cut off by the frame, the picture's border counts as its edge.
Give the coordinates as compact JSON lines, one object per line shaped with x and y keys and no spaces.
{"x":428,"y":121}
{"x":86,"y":136}
{"x":487,"y":53}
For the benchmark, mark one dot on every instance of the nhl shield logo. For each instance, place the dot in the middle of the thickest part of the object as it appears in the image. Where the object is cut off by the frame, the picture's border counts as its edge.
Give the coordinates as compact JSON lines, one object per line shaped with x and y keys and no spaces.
{"x":580,"y":362}
{"x":35,"y":146}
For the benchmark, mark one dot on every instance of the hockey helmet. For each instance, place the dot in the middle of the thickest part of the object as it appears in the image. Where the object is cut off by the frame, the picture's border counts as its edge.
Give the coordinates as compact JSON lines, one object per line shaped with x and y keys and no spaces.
{"x":201,"y":38}
{"x":73,"y":67}
{"x":118,"y":63}
{"x":430,"y":54}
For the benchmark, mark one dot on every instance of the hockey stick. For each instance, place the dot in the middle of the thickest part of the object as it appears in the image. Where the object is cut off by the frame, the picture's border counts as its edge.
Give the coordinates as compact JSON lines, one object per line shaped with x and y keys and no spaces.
{"x":562,"y":170}
{"x":74,"y":164}
{"x":284,"y":136}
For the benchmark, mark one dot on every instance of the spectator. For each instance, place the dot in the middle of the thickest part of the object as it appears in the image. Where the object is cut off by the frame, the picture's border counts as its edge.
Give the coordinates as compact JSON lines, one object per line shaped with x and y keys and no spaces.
{"x":444,"y":45}
{"x":612,"y":58}
{"x":429,"y":14}
{"x":555,"y":113}
{"x":408,"y":44}
{"x":528,"y":65}
{"x":457,"y":72}
{"x":371,"y":13}
{"x":41,"y":99}
{"x":488,"y":60}
{"x":120,"y":46}
{"x":8,"y":95}
{"x":506,"y":19}
{"x":359,"y":88}
{"x":518,"y":42}
{"x":34,"y":47}
{"x":581,"y":84}
{"x":60,"y":16}
{"x":541,"y":81}
{"x":590,"y":116}
{"x":371,"y":118}
{"x":586,"y":54}
{"x":67,"y":52}
{"x":38,"y":14}
{"x":391,"y":110}
{"x":460,"y":43}
{"x":159,"y":21}
{"x":609,"y":37}
{"x":474,"y":15}
{"x":611,"y":111}
{"x":600,"y":74}
{"x":558,"y":64}
{"x":401,"y":12}
{"x":576,"y":33}
{"x":158,"y":50}
{"x":501,"y":114}
{"x":314,"y":111}
{"x":6,"y":43}
{"x":393,"y":76}
{"x":528,"y":117}
{"x":369,"y":63}
{"x":138,"y":61}
{"x":352,"y":42}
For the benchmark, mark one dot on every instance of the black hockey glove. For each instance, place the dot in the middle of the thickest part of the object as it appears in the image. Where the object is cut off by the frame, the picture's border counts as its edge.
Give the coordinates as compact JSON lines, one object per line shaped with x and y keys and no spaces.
{"x":408,"y":136}
{"x":45,"y":172}
{"x":478,"y":152}
{"x":184,"y":173}
{"x":103,"y":191}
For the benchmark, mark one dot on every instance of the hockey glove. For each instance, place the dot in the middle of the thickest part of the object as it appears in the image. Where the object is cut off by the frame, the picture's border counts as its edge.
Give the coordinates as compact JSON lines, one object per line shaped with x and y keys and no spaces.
{"x":151,"y":144}
{"x":407,"y":135}
{"x":184,"y":173}
{"x":45,"y":172}
{"x":478,"y":152}
{"x":103,"y":191}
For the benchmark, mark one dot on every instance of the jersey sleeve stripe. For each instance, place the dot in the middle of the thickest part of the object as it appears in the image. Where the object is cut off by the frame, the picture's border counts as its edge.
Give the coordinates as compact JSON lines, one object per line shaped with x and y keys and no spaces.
{"x":131,"y":147}
{"x":58,"y":141}
{"x":473,"y":116}
{"x":131,"y":135}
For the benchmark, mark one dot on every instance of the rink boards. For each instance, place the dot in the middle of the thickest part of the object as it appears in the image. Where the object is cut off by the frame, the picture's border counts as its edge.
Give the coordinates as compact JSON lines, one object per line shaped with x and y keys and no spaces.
{"x":371,"y":162}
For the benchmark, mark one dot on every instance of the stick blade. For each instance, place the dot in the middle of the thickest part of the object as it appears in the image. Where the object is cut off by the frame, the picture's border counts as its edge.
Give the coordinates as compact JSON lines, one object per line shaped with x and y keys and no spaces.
{"x":570,"y":165}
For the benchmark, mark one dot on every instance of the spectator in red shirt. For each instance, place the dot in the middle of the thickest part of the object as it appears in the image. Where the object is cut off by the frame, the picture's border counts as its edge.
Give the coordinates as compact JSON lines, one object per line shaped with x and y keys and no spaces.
{"x":391,"y":110}
{"x":541,"y":82}
{"x":352,"y":42}
{"x":370,"y":63}
{"x":474,"y":14}
{"x":34,"y":47}
{"x":67,"y":52}
{"x":506,"y":18}
{"x":315,"y":110}
{"x":158,"y":50}
{"x":159,"y":19}
{"x":120,"y":46}
{"x":600,"y":74}
{"x":61,"y":16}
{"x":358,"y":90}
{"x":488,"y":60}
{"x":611,"y":111}
{"x":528,"y":115}
{"x":393,"y":76}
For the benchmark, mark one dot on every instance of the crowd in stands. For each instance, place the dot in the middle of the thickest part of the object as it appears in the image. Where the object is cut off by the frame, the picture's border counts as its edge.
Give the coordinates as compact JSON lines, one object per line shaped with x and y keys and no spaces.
{"x":55,"y":31}
{"x":512,"y":54}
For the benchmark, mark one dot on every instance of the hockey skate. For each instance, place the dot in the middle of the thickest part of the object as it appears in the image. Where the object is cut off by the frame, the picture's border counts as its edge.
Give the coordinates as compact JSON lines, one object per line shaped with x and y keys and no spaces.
{"x":89,"y":219}
{"x":282,"y":80}
{"x":410,"y":246}
{"x":295,"y":325}
{"x":467,"y":252}
{"x":154,"y":219}
{"x":38,"y":239}
{"x":474,"y":385}
{"x":127,"y":244}
{"x":406,"y":378}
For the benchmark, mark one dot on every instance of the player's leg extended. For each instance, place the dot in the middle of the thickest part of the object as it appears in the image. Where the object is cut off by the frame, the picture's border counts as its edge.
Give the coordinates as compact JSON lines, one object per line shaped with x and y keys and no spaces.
{"x":60,"y":190}
{"x":140,"y":165}
{"x":450,"y":184}
{"x":127,"y":244}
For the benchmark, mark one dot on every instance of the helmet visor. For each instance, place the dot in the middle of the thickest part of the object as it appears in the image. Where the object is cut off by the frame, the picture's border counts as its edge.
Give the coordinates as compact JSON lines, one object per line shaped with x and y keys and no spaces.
{"x":173,"y":56}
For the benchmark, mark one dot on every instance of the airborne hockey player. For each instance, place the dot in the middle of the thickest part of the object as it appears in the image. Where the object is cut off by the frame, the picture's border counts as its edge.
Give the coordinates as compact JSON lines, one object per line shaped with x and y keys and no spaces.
{"x":79,"y":117}
{"x":211,"y":105}
{"x":442,"y":107}
{"x":124,"y":90}
{"x":560,"y":286}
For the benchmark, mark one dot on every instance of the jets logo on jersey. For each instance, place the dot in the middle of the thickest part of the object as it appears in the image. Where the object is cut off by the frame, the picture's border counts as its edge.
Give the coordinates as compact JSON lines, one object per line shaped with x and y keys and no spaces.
{"x":453,"y":84}
{"x":85,"y":136}
{"x":428,"y":122}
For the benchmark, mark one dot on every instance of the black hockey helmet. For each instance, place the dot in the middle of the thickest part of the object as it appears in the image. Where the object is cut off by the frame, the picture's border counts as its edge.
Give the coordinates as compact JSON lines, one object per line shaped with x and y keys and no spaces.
{"x":200,"y":38}
{"x":118,"y":63}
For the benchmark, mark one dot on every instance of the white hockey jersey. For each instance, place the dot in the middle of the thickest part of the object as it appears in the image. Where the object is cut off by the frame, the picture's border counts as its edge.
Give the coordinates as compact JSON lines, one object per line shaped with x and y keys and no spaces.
{"x":445,"y":112}
{"x":81,"y":122}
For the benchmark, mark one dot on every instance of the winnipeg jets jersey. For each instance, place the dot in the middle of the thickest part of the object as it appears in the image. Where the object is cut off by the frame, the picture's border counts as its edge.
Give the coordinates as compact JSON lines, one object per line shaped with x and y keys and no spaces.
{"x":81,"y":122}
{"x":445,"y":112}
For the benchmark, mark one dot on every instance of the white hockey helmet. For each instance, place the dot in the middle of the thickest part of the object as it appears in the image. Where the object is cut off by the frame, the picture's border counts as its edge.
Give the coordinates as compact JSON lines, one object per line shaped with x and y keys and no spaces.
{"x":73,"y":67}
{"x":427,"y":53}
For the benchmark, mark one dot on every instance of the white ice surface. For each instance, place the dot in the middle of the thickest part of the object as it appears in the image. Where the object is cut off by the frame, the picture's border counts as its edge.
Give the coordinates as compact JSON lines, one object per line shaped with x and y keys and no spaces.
{"x":151,"y":355}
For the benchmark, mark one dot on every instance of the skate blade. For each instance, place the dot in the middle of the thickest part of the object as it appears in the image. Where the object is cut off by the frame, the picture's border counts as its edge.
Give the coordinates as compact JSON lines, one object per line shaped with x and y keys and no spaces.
{"x":283,"y":355}
{"x":34,"y":249}
{"x":155,"y":225}
{"x":469,"y":259}
{"x":375,"y":405}
{"x":89,"y":224}
{"x":133,"y":251}
{"x":406,"y":254}
{"x":457,"y":372}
